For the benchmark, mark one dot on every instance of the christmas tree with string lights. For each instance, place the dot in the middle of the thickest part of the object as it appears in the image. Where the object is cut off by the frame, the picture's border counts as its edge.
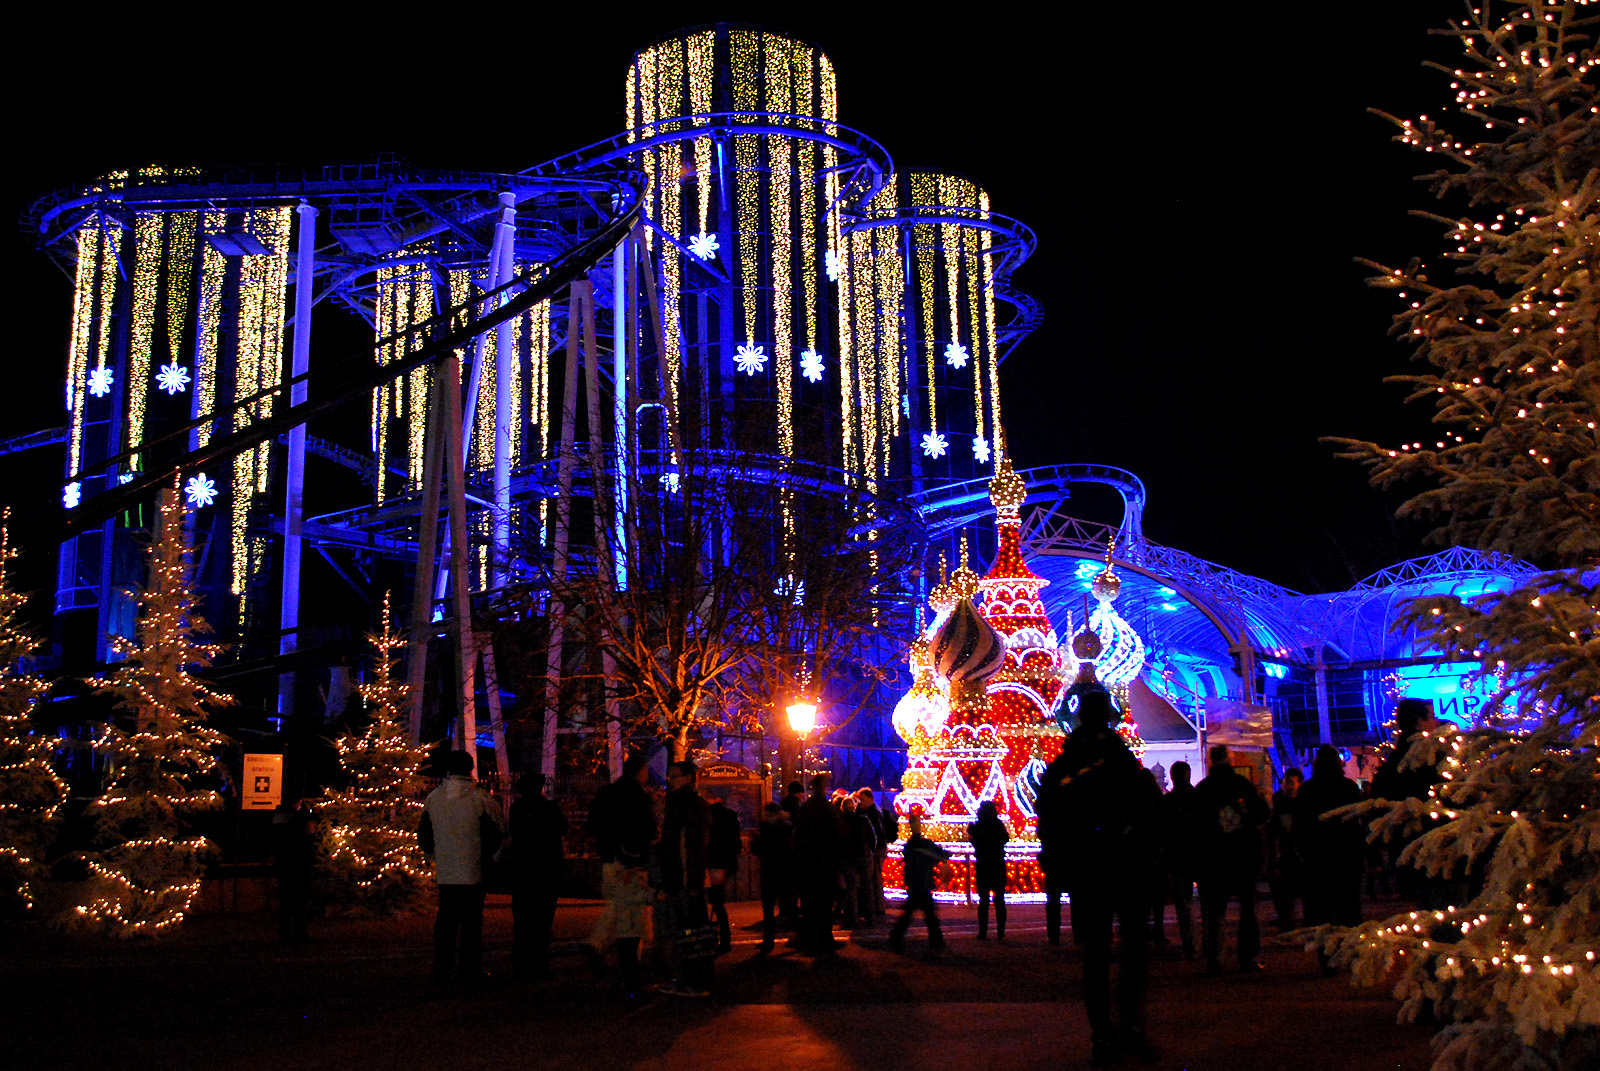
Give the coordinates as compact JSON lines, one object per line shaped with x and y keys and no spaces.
{"x":161,"y":753}
{"x":30,"y":792}
{"x":371,"y":858}
{"x":1512,"y":342}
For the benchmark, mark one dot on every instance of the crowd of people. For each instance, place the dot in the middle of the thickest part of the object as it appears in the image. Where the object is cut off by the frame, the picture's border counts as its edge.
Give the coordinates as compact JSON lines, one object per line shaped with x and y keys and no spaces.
{"x":1111,"y":840}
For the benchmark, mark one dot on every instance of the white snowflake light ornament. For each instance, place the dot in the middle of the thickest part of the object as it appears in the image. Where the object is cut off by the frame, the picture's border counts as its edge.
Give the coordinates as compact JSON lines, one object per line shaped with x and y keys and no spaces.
{"x":173,"y":378}
{"x":201,"y":490}
{"x":100,"y":381}
{"x":71,"y":495}
{"x":751,"y":358}
{"x":830,"y":262}
{"x":811,"y":365}
{"x":955,"y":355}
{"x":934,"y":444}
{"x":980,"y":450}
{"x":704,"y":245}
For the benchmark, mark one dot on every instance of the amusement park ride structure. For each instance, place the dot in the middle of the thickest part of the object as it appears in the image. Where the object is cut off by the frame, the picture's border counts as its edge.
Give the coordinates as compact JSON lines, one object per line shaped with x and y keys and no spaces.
{"x":735,"y":274}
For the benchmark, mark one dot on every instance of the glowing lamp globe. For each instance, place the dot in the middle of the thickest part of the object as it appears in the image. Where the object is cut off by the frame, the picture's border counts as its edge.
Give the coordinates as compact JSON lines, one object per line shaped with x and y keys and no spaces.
{"x":802,"y":716}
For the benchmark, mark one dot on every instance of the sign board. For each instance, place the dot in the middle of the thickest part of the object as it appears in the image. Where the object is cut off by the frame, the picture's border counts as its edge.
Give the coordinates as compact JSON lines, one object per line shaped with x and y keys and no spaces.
{"x":261,"y":787}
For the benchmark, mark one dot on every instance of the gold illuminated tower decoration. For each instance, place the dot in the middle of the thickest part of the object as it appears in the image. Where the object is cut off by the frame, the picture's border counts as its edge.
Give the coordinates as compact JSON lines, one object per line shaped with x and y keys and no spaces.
{"x":917,"y":317}
{"x":749,"y":180}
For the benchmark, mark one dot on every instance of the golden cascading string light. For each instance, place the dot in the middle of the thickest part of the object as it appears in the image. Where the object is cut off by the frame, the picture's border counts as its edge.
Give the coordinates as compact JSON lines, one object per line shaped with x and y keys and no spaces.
{"x":213,"y":273}
{"x":181,"y":230}
{"x":82,"y":324}
{"x":147,"y":242}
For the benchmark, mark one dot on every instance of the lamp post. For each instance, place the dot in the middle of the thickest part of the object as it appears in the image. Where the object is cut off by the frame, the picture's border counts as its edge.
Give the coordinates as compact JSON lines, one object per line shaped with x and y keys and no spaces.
{"x":802,"y":719}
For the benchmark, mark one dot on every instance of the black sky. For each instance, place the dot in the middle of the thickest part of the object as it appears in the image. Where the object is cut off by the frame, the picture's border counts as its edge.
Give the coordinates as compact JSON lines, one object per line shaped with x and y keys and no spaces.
{"x":1200,"y":178}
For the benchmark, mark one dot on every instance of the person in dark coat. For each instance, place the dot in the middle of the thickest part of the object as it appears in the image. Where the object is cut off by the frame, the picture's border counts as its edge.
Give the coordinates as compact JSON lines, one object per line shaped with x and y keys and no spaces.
{"x":1106,"y":803}
{"x":537,"y":853}
{"x":681,"y":855}
{"x":819,"y":845}
{"x":1402,"y":778}
{"x":1232,"y":815}
{"x":622,"y":822}
{"x":989,"y":838}
{"x":722,"y":857}
{"x":294,"y":849}
{"x":794,"y":798}
{"x":1053,"y":848}
{"x":922,"y":857}
{"x":789,"y":905}
{"x":773,"y":846}
{"x":1178,"y":818}
{"x":623,"y":813}
{"x":1283,"y":858}
{"x":860,"y":846}
{"x":1155,"y":877}
{"x":872,"y":904}
{"x":1332,"y":851}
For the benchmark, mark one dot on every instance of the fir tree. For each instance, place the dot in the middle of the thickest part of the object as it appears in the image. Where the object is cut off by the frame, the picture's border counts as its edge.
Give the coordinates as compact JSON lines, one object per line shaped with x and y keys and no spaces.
{"x":1514,"y":350}
{"x":372,"y":860}
{"x":30,"y":791}
{"x":162,"y":754}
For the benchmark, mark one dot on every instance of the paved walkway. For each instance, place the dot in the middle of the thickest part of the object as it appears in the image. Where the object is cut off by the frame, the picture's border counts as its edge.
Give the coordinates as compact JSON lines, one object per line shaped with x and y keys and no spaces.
{"x":223,"y":995}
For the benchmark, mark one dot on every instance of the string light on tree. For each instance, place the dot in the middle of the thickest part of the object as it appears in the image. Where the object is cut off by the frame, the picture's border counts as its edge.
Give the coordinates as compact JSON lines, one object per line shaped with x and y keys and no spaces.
{"x":147,"y":865}
{"x":371,"y":859}
{"x":1505,"y":335}
{"x":31,"y":793}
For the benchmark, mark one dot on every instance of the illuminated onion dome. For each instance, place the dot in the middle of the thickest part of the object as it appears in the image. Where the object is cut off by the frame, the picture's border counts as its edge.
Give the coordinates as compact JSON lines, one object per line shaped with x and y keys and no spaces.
{"x":967,"y":651}
{"x":964,"y":583}
{"x":1006,"y":490}
{"x":925,"y":704}
{"x":1122,"y":656}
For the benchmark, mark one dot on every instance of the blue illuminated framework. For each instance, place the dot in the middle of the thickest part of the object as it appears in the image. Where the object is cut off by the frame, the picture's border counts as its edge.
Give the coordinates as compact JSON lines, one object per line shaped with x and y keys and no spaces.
{"x":735,"y":273}
{"x":1330,"y":667}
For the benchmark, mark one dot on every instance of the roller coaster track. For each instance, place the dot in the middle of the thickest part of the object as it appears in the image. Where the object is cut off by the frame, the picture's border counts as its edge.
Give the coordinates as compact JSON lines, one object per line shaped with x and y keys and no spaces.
{"x":866,"y":167}
{"x":1012,"y":243}
{"x":956,"y":505}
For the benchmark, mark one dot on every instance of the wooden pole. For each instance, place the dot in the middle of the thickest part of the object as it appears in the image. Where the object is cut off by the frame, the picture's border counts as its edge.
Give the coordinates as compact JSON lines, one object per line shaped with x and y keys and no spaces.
{"x":427,"y":552}
{"x":461,"y":624}
{"x":580,"y":295}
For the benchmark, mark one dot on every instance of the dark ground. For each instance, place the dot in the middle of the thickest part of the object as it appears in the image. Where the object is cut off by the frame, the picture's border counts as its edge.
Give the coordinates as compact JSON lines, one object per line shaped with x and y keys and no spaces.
{"x":223,"y":994}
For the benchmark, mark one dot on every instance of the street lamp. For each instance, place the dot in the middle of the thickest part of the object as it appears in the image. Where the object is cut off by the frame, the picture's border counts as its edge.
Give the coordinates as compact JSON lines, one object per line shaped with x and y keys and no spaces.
{"x":802,"y":716}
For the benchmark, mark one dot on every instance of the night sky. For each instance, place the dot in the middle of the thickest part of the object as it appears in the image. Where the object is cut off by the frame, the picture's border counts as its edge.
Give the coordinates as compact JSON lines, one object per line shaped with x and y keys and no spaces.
{"x":1200,"y":177}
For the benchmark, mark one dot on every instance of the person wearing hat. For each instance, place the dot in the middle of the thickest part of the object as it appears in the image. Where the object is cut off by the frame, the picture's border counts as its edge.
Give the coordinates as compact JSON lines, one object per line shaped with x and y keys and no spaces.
{"x":537,"y":830}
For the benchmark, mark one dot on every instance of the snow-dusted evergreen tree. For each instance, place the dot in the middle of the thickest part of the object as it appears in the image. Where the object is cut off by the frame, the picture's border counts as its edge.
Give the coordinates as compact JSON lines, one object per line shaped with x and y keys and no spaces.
{"x":162,"y":755}
{"x":1513,"y":341}
{"x":30,"y":791}
{"x":371,"y":858}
